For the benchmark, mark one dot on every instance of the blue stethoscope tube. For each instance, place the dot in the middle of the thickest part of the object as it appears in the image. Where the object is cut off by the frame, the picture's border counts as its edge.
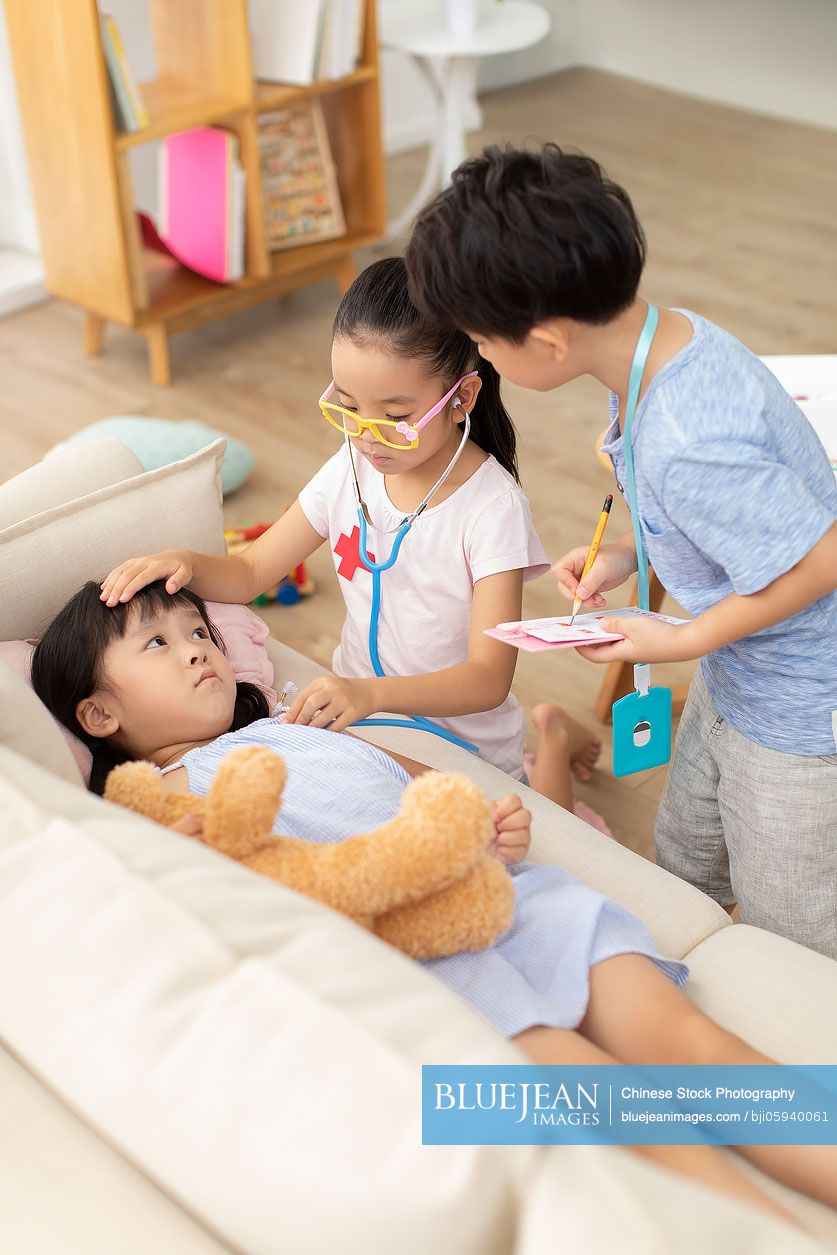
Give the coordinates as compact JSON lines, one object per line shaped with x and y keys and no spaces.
{"x":376,"y":569}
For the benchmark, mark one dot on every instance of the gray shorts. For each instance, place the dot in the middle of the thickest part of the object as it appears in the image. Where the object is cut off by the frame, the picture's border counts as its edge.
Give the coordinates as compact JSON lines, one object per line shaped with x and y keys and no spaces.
{"x":752,"y":825}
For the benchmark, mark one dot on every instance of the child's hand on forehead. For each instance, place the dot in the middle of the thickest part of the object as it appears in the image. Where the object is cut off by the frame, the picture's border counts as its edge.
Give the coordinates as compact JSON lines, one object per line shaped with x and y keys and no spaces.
{"x":172,"y":565}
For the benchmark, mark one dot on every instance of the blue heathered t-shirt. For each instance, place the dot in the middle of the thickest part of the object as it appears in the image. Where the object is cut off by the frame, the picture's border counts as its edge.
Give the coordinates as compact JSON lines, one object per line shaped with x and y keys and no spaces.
{"x":733,"y":489}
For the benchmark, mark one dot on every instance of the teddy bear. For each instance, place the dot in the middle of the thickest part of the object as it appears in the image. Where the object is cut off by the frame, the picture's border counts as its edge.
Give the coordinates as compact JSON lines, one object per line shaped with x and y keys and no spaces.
{"x":423,"y":882}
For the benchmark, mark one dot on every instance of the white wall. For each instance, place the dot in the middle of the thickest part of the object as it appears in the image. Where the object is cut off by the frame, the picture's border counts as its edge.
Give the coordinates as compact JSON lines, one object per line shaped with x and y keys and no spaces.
{"x":776,"y":57}
{"x":17,"y":215}
{"x":771,"y":56}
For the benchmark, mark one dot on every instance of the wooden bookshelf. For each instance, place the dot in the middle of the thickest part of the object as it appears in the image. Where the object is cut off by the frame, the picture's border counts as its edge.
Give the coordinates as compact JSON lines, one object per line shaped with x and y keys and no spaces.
{"x":80,"y":175}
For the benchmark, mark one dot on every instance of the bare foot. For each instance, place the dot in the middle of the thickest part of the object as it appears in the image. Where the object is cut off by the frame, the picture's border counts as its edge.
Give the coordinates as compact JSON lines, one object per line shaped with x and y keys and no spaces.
{"x":583,"y":746}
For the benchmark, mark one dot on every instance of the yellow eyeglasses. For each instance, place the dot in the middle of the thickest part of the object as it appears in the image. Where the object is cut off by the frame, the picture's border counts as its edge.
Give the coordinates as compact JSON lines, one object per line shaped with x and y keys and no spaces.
{"x":394,"y":433}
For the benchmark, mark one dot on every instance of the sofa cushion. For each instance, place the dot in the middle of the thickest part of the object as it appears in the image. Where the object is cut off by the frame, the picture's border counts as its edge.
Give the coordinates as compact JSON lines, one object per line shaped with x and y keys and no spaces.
{"x":48,"y":556}
{"x":98,"y":1203}
{"x":766,"y":988}
{"x":18,"y":656}
{"x":27,"y":728}
{"x":70,"y":474}
{"x":601,"y":1201}
{"x":157,"y":441}
{"x":678,"y":916}
{"x":248,"y":1048}
{"x":781,"y":998}
{"x":257,"y":1056}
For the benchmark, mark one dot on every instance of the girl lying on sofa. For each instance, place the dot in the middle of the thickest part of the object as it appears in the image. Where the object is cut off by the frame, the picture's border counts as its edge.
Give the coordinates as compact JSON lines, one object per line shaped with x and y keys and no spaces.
{"x":576,"y":979}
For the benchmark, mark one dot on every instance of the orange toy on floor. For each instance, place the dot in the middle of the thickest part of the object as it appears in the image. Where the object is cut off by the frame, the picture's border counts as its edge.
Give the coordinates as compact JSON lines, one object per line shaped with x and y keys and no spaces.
{"x":422,"y":882}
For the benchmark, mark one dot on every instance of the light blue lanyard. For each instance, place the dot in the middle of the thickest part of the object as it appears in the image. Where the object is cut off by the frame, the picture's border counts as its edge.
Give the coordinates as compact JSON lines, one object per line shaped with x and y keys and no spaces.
{"x":635,"y":379}
{"x":642,"y":719}
{"x":412,"y":721}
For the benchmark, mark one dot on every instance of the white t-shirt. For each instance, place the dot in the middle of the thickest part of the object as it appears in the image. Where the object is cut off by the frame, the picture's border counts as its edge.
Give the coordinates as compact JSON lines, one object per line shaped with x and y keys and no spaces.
{"x":481,"y":529}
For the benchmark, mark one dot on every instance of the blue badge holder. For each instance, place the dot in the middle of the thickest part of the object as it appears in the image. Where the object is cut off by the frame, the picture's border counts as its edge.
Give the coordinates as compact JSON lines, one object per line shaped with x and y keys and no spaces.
{"x":642,"y":720}
{"x":641,"y":726}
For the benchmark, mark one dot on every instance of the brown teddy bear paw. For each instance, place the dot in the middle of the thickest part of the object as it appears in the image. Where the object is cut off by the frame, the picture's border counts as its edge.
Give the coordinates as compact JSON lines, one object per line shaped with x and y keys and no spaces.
{"x":244,"y":799}
{"x":449,"y":817}
{"x":139,"y":787}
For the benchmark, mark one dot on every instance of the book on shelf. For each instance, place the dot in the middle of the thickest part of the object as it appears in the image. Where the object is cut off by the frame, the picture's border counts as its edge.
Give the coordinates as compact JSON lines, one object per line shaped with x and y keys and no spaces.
{"x":299,"y":181}
{"x":130,"y":113}
{"x":299,"y":43}
{"x":340,"y":47}
{"x":202,"y":202}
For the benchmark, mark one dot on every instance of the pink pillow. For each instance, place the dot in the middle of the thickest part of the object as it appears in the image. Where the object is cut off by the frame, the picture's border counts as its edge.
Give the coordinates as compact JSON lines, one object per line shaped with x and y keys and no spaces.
{"x":244,"y":635}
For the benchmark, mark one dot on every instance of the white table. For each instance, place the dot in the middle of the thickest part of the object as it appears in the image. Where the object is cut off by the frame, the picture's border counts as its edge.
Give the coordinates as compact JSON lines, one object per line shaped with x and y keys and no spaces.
{"x":417,"y":28}
{"x":811,"y":379}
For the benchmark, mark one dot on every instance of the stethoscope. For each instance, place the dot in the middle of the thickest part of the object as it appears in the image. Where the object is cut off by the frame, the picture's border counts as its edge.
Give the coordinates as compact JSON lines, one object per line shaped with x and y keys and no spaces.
{"x":377,"y":568}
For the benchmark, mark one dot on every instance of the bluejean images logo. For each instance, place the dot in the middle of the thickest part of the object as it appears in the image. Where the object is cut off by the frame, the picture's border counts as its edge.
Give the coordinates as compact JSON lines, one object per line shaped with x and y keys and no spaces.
{"x":540,"y":1102}
{"x":629,"y":1106}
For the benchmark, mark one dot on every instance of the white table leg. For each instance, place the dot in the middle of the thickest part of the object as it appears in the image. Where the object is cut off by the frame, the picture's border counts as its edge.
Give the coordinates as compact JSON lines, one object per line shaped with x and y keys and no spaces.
{"x":457,"y":78}
{"x":472,"y":111}
{"x":431,"y":176}
{"x":454,"y":104}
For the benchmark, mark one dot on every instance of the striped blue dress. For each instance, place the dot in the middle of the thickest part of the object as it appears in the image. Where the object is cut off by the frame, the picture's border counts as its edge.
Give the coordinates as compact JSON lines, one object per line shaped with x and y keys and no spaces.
{"x":535,"y":973}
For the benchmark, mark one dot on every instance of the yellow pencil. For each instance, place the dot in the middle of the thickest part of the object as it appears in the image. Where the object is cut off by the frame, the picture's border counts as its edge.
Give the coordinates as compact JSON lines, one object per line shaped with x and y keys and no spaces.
{"x":594,"y":549}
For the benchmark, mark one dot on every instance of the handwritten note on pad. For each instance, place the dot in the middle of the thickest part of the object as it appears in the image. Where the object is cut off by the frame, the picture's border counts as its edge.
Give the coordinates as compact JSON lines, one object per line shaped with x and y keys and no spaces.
{"x":557,"y":633}
{"x":562,"y":632}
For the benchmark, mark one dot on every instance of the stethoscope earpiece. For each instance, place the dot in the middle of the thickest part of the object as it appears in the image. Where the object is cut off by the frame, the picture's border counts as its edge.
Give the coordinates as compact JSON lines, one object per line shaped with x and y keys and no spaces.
{"x":407,"y":522}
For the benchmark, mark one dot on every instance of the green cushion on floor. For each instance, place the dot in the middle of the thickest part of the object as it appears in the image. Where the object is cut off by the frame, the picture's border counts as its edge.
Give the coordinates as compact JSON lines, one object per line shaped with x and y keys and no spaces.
{"x":158,"y":441}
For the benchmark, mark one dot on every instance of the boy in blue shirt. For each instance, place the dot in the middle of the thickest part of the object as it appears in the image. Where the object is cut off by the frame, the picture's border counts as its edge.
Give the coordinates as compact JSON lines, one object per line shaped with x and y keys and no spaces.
{"x":539,"y":256}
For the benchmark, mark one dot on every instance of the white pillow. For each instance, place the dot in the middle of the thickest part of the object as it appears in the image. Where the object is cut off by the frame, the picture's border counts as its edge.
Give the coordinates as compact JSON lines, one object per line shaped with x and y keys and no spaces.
{"x":46,"y":558}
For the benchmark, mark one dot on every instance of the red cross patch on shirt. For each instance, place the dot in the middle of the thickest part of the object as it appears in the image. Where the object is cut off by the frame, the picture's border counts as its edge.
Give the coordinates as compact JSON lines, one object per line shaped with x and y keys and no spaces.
{"x":348,"y":550}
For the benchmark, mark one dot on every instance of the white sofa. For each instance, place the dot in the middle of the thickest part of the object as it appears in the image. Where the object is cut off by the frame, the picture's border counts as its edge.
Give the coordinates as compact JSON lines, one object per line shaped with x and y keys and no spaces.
{"x":195,"y":1059}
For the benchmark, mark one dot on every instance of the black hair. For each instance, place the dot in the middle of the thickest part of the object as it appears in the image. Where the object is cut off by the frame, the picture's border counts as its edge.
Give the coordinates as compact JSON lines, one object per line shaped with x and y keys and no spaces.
{"x":67,"y":664}
{"x":378,"y":305}
{"x":522,"y":236}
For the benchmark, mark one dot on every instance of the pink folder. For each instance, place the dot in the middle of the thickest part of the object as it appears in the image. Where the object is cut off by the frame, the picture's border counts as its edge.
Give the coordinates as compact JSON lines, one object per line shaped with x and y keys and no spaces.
{"x":521,"y":635}
{"x":196,"y":199}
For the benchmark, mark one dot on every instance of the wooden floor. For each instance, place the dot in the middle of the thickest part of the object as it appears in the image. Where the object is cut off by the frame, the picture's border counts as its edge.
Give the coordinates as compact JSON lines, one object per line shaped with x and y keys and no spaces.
{"x":739,"y":211}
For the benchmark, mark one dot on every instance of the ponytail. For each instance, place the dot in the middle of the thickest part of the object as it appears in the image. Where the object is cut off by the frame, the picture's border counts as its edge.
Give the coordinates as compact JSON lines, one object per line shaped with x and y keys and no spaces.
{"x":491,"y":425}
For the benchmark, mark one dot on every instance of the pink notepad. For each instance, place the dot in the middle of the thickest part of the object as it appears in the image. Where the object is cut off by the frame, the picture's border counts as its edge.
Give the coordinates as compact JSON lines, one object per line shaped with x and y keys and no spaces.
{"x":200,"y":201}
{"x":556,"y":633}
